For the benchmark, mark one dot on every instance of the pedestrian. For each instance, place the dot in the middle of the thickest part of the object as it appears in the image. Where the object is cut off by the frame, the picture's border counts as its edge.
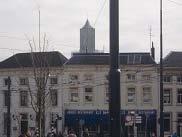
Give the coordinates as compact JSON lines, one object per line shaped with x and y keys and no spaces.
{"x":174,"y":135}
{"x":86,"y":133}
{"x":72,"y":134}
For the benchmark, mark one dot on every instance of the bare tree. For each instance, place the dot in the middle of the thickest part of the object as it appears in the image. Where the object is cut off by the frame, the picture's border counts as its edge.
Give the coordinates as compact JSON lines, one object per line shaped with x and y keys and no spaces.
{"x":40,"y":93}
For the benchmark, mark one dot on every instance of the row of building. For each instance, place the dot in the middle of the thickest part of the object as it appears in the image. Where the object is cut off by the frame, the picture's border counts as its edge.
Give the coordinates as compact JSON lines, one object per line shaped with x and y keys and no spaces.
{"x":79,"y":95}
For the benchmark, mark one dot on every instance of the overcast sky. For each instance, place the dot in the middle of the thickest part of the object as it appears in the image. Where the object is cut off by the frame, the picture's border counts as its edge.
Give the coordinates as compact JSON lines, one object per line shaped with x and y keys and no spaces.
{"x":62,"y":19}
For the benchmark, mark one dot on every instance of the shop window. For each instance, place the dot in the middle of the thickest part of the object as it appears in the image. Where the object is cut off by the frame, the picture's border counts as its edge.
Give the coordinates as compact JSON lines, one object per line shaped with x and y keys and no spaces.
{"x":167,"y":122}
{"x":24,"y":98}
{"x":167,"y":96}
{"x":74,"y":96}
{"x":179,"y":96}
{"x":131,"y":95}
{"x":147,"y":95}
{"x":53,"y":81}
{"x":167,"y":78}
{"x":88,"y":95}
{"x":54,"y":97}
{"x":23,"y":81}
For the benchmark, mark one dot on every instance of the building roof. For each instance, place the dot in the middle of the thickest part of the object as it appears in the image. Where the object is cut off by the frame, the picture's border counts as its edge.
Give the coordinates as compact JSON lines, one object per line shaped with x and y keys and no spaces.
{"x":51,"y":59}
{"x":103,"y":59}
{"x":87,"y":25}
{"x":173,"y":59}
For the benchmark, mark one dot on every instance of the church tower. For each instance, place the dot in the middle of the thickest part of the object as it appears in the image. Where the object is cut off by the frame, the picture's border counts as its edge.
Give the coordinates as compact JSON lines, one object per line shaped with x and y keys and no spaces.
{"x":87,"y":38}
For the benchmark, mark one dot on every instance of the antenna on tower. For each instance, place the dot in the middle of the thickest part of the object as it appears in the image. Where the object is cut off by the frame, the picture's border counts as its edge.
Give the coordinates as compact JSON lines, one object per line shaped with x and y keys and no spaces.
{"x":150,"y":34}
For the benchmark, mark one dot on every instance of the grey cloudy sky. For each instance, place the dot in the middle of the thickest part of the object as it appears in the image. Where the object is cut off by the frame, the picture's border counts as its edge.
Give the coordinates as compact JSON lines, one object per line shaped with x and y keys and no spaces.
{"x":62,"y":19}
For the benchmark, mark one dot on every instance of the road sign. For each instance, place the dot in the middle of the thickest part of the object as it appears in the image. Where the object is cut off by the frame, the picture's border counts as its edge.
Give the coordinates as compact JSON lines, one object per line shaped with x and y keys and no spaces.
{"x":138,"y":119}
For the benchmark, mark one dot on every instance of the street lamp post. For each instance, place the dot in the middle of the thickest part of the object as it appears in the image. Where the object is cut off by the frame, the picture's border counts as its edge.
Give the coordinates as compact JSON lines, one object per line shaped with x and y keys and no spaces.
{"x":161,"y":77}
{"x":114,"y":74}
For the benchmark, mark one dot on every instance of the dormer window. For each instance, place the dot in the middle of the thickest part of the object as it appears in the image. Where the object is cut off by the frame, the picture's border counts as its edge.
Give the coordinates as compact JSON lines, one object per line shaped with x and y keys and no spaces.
{"x":134,"y":59}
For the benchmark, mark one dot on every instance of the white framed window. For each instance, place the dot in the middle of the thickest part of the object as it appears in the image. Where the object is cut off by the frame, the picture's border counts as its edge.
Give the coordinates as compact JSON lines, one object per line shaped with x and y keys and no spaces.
{"x":73,"y":79}
{"x":23,"y":81}
{"x":167,"y":78}
{"x":74,"y":96}
{"x":147,"y":95}
{"x":5,"y":94}
{"x":179,"y":79}
{"x":53,"y":80}
{"x":179,"y":95}
{"x":146,"y":77}
{"x":23,"y":98}
{"x":131,"y":95}
{"x":88,"y":95}
{"x":167,"y":96}
{"x":167,"y":122}
{"x":5,"y":82}
{"x":131,"y":77}
{"x":5,"y":122}
{"x":107,"y":94}
{"x":137,"y":59}
{"x":88,"y":77}
{"x":54,"y":97}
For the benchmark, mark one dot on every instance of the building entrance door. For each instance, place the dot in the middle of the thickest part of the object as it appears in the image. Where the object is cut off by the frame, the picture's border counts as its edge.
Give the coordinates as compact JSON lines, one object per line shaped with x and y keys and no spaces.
{"x":24,"y":123}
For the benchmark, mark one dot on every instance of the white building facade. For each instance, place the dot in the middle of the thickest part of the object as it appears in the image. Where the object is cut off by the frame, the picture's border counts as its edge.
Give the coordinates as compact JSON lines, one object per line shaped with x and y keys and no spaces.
{"x":86,"y":93}
{"x":23,"y":116}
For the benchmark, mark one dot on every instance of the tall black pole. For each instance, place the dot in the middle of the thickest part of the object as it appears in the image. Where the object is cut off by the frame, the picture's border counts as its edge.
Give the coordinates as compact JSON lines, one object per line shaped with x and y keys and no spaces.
{"x":114,"y":74}
{"x":8,"y":109}
{"x":161,"y":77}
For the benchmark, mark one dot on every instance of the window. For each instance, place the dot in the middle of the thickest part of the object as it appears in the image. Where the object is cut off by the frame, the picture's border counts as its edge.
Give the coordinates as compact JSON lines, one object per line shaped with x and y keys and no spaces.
{"x":107,"y":94}
{"x":167,"y":78}
{"x":6,"y":98}
{"x":54,"y":97}
{"x":147,"y":95}
{"x":74,"y":96}
{"x":167,"y":122}
{"x":88,"y":77}
{"x":179,"y":122}
{"x":131,"y":77}
{"x":137,"y":59}
{"x":73,"y":77}
{"x":146,"y":77}
{"x":5,"y":81}
{"x":53,"y":81}
{"x":23,"y":98}
{"x":23,"y":81}
{"x":5,"y":122}
{"x":88,"y":95}
{"x":130,"y":59}
{"x":167,"y":96}
{"x":179,"y":96}
{"x":131,"y":95}
{"x":179,"y":79}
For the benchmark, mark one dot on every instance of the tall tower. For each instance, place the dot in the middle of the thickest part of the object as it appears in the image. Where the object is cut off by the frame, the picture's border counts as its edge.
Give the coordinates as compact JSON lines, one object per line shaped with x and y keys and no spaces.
{"x":87,"y":38}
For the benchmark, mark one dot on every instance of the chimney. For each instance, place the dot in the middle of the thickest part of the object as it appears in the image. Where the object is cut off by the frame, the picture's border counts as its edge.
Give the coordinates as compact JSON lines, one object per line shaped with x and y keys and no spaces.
{"x":153,"y":51}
